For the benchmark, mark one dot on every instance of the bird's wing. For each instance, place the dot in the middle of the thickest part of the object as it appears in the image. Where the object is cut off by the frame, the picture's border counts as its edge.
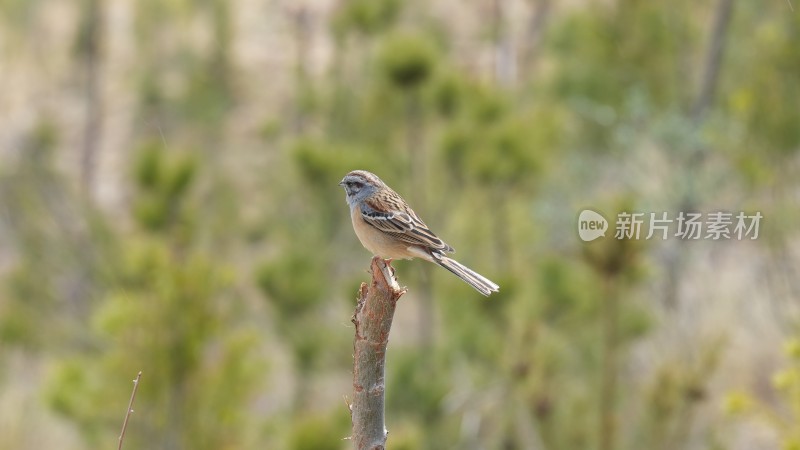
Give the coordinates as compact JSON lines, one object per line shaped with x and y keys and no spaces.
{"x":391,"y":215}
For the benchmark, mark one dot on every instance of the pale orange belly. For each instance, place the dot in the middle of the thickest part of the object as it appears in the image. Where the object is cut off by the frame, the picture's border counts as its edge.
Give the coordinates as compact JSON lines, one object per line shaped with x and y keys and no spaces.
{"x":378,"y":242}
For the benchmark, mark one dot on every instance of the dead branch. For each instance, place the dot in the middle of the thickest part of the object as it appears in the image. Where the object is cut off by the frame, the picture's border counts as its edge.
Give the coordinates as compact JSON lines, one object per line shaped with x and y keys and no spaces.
{"x":373,"y":321}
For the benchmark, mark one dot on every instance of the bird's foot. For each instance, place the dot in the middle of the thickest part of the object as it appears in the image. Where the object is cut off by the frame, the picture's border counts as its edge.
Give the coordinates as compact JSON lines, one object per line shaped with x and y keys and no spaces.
{"x":388,"y":262}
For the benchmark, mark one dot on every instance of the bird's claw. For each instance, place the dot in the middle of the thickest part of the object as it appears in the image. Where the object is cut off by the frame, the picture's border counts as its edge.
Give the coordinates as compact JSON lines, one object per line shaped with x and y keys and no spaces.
{"x":388,"y":262}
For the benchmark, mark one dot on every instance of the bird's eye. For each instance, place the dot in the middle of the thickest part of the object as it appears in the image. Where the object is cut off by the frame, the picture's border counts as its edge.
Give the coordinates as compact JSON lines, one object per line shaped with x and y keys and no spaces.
{"x":357,"y":184}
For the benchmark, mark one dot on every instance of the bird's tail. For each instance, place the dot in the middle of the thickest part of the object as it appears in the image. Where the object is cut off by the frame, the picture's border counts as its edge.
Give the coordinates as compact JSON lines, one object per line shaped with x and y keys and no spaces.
{"x":481,"y":284}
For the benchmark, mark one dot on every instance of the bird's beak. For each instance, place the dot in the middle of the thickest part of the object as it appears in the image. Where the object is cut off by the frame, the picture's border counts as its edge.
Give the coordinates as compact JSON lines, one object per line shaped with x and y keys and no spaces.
{"x":341,"y":183}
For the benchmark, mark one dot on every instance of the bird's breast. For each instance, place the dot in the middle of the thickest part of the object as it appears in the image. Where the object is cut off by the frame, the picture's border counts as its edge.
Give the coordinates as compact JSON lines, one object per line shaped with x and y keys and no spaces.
{"x":376,"y":241}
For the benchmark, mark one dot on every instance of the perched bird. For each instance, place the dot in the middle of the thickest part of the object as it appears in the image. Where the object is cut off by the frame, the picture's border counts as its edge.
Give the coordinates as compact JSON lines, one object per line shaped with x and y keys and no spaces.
{"x":389,"y":228}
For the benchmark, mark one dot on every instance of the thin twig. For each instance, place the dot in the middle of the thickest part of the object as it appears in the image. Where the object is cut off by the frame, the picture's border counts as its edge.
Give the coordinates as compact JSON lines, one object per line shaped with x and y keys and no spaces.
{"x":130,"y":409}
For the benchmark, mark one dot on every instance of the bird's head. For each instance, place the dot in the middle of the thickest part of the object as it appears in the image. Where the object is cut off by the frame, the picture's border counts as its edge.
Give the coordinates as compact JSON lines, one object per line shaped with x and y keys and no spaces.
{"x":360,"y":184}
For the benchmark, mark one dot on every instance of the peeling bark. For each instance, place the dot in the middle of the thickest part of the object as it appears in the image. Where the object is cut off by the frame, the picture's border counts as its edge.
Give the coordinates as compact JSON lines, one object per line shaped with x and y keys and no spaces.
{"x":373,"y":321}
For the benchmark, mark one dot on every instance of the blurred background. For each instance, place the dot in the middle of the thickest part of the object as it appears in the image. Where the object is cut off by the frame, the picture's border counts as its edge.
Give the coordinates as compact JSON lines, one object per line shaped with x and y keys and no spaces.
{"x":169,"y":204}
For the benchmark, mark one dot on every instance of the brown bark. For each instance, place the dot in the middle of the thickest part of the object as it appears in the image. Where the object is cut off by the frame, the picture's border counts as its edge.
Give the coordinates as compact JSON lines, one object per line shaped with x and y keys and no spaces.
{"x":373,"y":321}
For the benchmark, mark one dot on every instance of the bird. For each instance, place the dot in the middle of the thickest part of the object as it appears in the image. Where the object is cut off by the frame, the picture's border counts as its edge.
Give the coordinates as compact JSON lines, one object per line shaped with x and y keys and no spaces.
{"x":389,"y":228}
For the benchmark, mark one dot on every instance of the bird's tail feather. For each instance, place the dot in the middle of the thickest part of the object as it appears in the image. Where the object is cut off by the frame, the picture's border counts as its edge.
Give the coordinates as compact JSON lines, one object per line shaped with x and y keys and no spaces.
{"x":481,"y":284}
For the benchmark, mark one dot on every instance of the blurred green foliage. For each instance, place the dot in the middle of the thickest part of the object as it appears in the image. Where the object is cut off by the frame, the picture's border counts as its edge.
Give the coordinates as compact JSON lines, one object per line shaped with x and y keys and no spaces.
{"x":782,"y":417}
{"x":407,"y":59}
{"x":366,"y":17}
{"x":162,"y":189}
{"x":169,"y":315}
{"x":216,"y":254}
{"x":319,"y":432}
